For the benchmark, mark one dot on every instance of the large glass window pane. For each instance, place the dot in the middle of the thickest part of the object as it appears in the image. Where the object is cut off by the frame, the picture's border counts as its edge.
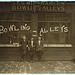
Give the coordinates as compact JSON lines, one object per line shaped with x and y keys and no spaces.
{"x":3,"y":32}
{"x":10,"y":16}
{"x":49,"y":16}
{"x":58,"y":16}
{"x":27,"y":16}
{"x":19,"y":15}
{"x":41,"y":16}
{"x":58,"y":26}
{"x":2,"y":16}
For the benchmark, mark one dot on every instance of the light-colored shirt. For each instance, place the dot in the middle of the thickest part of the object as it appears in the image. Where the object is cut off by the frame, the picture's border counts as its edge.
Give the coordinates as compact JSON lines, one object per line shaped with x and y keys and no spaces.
{"x":24,"y":40}
{"x":39,"y":42}
{"x":32,"y":43}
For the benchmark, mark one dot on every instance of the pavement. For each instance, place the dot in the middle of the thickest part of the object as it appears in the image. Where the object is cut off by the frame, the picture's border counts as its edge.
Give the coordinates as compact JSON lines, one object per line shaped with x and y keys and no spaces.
{"x":36,"y":67}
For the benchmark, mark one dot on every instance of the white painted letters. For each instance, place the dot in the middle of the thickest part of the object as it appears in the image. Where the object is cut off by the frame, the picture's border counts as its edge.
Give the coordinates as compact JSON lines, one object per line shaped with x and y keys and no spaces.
{"x":25,"y":27}
{"x":3,"y":30}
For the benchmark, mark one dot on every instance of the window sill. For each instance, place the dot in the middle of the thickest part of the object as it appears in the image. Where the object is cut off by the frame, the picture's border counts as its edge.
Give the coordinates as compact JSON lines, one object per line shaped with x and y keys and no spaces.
{"x":57,"y":45}
{"x":45,"y":45}
{"x":9,"y":45}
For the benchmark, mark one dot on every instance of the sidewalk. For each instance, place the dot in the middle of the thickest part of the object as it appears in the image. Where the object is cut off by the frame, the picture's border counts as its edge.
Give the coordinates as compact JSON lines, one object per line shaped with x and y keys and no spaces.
{"x":37,"y":67}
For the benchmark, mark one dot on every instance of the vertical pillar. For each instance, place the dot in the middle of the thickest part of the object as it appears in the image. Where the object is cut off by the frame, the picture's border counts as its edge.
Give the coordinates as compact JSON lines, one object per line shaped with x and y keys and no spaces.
{"x":73,"y":30}
{"x":34,"y":22}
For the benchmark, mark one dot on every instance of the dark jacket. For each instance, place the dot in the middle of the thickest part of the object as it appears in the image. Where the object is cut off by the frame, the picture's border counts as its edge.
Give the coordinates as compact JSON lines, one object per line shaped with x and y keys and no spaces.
{"x":39,"y":47}
{"x":23,"y":44}
{"x":30,"y":46}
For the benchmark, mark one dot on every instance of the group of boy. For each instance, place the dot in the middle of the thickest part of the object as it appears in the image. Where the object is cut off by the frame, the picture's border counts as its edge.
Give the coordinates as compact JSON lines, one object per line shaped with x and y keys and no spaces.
{"x":31,"y":47}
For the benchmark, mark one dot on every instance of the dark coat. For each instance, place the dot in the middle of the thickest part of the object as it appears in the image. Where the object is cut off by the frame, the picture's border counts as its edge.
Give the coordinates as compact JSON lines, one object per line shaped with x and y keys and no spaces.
{"x":29,"y":45}
{"x":23,"y":45}
{"x":39,"y":47}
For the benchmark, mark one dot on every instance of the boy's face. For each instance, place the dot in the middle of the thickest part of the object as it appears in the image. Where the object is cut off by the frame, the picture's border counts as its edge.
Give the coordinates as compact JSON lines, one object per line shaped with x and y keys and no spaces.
{"x":32,"y":39}
{"x":24,"y":37}
{"x":39,"y":38}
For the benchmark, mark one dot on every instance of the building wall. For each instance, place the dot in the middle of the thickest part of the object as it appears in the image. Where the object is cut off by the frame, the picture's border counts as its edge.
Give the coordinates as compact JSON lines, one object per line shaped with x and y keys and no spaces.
{"x":35,"y":17}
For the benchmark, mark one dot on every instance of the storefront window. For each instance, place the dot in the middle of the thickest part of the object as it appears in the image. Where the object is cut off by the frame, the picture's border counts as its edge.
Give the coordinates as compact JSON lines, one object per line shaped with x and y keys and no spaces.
{"x":14,"y":25}
{"x":55,"y":28}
